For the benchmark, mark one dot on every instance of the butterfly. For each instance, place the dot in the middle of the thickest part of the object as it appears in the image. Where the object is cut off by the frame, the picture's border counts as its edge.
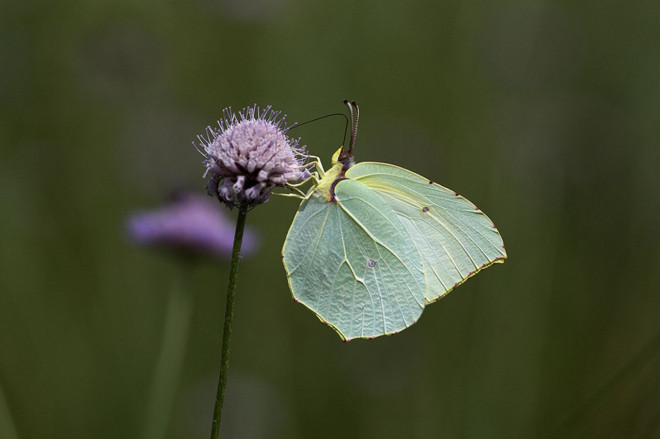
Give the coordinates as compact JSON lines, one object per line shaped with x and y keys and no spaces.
{"x":373,"y":243}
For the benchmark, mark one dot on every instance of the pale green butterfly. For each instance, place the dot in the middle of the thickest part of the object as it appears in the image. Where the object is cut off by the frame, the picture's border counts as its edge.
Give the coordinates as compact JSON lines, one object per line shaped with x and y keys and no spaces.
{"x":373,"y":243}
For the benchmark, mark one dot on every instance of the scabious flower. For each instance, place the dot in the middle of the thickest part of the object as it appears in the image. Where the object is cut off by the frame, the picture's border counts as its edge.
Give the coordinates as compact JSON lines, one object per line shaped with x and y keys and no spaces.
{"x":249,"y":155}
{"x":191,"y":224}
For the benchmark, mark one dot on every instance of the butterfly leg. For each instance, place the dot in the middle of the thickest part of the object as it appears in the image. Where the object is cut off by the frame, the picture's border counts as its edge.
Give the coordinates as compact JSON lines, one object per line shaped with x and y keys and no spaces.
{"x":281,"y":194}
{"x":313,"y":177}
{"x":316,"y":162}
{"x":294,"y":187}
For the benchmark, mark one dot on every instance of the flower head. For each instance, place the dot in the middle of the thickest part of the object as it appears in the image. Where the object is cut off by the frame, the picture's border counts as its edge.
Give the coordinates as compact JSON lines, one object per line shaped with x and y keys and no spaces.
{"x":191,"y":224}
{"x":249,"y":155}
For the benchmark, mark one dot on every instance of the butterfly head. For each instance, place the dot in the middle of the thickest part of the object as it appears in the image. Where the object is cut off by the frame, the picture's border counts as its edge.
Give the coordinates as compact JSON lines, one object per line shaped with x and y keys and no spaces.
{"x":343,"y":157}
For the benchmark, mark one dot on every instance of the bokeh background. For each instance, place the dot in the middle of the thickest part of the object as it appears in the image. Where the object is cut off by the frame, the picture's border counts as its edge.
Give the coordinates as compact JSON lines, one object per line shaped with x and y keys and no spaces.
{"x":543,"y":113}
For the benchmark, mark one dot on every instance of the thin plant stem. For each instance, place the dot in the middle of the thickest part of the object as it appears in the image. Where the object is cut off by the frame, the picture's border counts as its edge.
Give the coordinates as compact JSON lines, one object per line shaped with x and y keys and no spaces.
{"x":7,"y":427}
{"x":229,"y":314}
{"x":636,"y":363}
{"x":170,"y":357}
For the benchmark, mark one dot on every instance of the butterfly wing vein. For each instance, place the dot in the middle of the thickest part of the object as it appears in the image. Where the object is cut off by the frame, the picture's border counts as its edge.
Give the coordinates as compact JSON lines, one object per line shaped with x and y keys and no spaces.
{"x":454,"y":238}
{"x":351,"y":263}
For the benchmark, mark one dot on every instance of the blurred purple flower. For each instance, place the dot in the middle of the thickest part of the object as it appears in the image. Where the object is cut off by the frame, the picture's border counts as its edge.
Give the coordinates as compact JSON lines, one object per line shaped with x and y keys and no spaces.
{"x":249,"y":155}
{"x":191,"y":224}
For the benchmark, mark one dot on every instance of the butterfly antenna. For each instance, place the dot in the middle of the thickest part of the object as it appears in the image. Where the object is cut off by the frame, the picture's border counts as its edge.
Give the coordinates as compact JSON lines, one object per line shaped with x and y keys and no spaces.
{"x":296,"y":125}
{"x":354,"y":112}
{"x":354,"y":127}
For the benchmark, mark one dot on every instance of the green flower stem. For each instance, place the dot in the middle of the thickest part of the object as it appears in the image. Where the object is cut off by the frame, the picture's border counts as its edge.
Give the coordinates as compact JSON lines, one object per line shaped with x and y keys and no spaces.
{"x":170,"y":357}
{"x":229,"y":314}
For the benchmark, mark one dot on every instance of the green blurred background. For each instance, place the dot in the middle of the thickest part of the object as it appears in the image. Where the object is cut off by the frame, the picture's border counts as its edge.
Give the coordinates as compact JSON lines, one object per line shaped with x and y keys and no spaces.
{"x":544,"y":114}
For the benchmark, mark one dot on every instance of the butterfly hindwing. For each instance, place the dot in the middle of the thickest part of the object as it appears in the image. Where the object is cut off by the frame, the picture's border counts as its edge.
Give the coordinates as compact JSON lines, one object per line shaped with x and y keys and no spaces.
{"x":350,"y":260}
{"x":454,"y":238}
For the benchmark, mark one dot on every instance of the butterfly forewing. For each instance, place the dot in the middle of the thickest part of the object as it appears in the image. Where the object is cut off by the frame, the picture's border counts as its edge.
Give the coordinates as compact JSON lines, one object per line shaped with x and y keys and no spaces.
{"x":351,"y":262}
{"x":454,"y":238}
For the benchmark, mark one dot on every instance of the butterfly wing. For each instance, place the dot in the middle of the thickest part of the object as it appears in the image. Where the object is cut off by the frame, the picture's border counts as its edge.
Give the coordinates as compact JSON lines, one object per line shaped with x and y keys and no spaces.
{"x":454,"y":238}
{"x":353,"y":264}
